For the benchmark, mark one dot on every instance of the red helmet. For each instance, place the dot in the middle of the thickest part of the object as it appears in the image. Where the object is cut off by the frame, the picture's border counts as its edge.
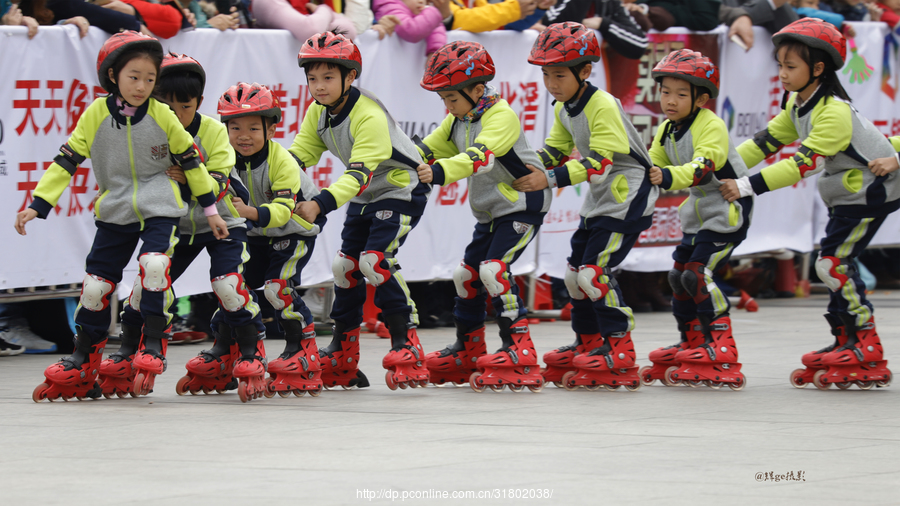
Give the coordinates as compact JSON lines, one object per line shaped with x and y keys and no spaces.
{"x":818,"y":34}
{"x":244,"y":99}
{"x":564,"y":45}
{"x":457,"y":65}
{"x":174,"y":62}
{"x":333,"y":48}
{"x":118,"y":44}
{"x":691,"y":66}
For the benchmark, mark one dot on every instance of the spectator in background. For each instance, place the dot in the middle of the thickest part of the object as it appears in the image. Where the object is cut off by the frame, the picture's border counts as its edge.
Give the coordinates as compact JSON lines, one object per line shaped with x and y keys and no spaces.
{"x":12,"y":16}
{"x":360,"y":14}
{"x":533,"y":22}
{"x":742,"y":15}
{"x":80,"y":13}
{"x":614,"y":21}
{"x":852,"y":10}
{"x":417,"y":21}
{"x":208,"y":16}
{"x":699,"y":15}
{"x":160,"y":20}
{"x":321,"y":18}
{"x":483,"y":16}
{"x":16,"y":333}
{"x":889,"y":12}
{"x":810,"y":9}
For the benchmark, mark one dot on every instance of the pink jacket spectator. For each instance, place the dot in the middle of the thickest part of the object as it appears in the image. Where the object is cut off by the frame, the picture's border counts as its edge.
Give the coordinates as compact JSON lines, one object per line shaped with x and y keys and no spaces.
{"x":280,"y":14}
{"x":427,"y":25}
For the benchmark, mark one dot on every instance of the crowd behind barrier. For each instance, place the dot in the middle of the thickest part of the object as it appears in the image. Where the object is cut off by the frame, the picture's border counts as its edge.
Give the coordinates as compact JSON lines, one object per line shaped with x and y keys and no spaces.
{"x":43,"y":97}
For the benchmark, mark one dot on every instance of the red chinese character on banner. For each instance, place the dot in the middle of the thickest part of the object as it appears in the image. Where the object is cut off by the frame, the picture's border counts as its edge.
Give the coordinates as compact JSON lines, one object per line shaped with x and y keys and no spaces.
{"x":76,"y":103}
{"x":300,"y":105}
{"x":508,"y":92}
{"x":53,"y":104}
{"x":895,"y":127}
{"x":529,"y":116}
{"x":29,"y":104}
{"x":77,"y":187}
{"x":281,"y":94}
{"x":321,"y":174}
{"x":449,"y":195}
{"x":28,"y":185}
{"x":99,"y":92}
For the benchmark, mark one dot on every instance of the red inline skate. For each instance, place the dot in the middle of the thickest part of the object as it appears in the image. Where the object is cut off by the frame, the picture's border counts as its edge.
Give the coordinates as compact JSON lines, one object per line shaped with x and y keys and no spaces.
{"x":859,"y":361}
{"x":610,"y":366}
{"x":514,"y":365}
{"x":664,"y":358}
{"x":714,"y":363}
{"x":116,"y":373}
{"x":456,"y":362}
{"x":406,"y":360}
{"x":559,"y":361}
{"x":150,"y":360}
{"x":297,"y":369}
{"x":250,"y":370}
{"x":813,"y":360}
{"x":211,"y":370}
{"x":74,"y":376}
{"x":340,"y":359}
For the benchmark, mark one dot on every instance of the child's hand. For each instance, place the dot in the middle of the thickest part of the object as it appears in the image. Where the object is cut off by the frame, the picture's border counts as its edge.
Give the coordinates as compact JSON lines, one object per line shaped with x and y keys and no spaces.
{"x":218,"y":226}
{"x":533,"y":182}
{"x":24,"y":217}
{"x":729,"y":190}
{"x":443,"y":6}
{"x":308,"y":210}
{"x":883,"y":166}
{"x":426,"y":175}
{"x":545,"y":4}
{"x":656,"y":176}
{"x":176,"y":174}
{"x":243,"y":210}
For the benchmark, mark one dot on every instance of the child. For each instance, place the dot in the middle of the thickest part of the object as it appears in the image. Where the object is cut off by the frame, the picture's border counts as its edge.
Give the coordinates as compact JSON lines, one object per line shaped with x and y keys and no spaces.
{"x":129,"y":138}
{"x":617,"y":208}
{"x":281,"y":243}
{"x":693,"y":148}
{"x":482,"y":140}
{"x":180,"y":86}
{"x":839,"y":143}
{"x":385,"y":199}
{"x":418,"y":21}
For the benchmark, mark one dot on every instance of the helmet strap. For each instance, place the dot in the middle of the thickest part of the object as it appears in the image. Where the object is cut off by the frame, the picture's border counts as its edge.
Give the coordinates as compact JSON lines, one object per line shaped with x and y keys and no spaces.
{"x":581,"y":85}
{"x":465,"y":93}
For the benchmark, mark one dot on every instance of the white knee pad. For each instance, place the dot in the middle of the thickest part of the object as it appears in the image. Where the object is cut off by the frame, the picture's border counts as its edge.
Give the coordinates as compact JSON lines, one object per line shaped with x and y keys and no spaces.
{"x":134,"y":300}
{"x":155,"y":272}
{"x":95,"y":292}
{"x":231,"y":291}
{"x":370,"y":265}
{"x":343,"y":268}
{"x":571,"y":280}
{"x":279,"y":294}
{"x":826,"y":269}
{"x":493,"y":276}
{"x":588,"y":280}
{"x":463,"y":276}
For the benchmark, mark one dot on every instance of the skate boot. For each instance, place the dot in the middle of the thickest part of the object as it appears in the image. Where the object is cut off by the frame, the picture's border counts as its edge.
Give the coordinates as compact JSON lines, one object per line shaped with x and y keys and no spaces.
{"x":457,"y":362}
{"x":340,"y":359}
{"x":211,"y":370}
{"x":297,"y":369}
{"x":406,"y":360}
{"x":664,"y":358}
{"x":813,"y":360}
{"x":714,"y":363}
{"x":74,"y":376}
{"x":150,"y":360}
{"x":860,"y":360}
{"x":116,"y":374}
{"x":559,"y":361}
{"x":250,"y":370}
{"x":609,"y":366}
{"x":515,"y":364}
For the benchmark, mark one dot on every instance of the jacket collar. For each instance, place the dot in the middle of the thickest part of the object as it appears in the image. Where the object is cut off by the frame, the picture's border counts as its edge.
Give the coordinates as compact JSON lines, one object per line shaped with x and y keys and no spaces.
{"x":121,"y":119}
{"x":194,"y":127}
{"x":352,"y":98}
{"x":256,"y":159}
{"x":574,"y":109}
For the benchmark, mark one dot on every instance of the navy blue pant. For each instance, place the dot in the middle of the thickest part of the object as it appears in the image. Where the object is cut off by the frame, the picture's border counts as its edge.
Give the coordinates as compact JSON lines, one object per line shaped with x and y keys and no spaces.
{"x":846,"y":238}
{"x":382,"y":231}
{"x":281,"y":258}
{"x":712,"y":255}
{"x":500,"y":240}
{"x":110,"y":253}
{"x":603,"y":248}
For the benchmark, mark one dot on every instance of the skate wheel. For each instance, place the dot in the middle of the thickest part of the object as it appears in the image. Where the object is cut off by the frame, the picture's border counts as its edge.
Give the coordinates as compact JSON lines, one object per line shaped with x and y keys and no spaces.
{"x":558,"y":384}
{"x":797,"y":378}
{"x":82,"y":398}
{"x":181,"y":387}
{"x":866,"y":385}
{"x":537,"y":388}
{"x":568,"y":381}
{"x":844,"y":385}
{"x":635,"y":387}
{"x":459,"y":383}
{"x":299,"y":393}
{"x":389,"y":379}
{"x":739,"y":385}
{"x":817,"y":380}
{"x":193,"y":391}
{"x":695,"y":384}
{"x":517,"y":388}
{"x":403,"y":385}
{"x":423,"y":383}
{"x":473,"y":382}
{"x":281,"y":393}
{"x":137,"y":386}
{"x":345,"y":387}
{"x":314,"y":393}
{"x":594,"y":388}
{"x":108,"y":395}
{"x":221,"y":390}
{"x":885,"y":382}
{"x":242,"y":391}
{"x":644,"y":373}
{"x":497,"y":388}
{"x":670,"y":379}
{"x":715,"y":385}
{"x":120,"y":394}
{"x":40,"y":392}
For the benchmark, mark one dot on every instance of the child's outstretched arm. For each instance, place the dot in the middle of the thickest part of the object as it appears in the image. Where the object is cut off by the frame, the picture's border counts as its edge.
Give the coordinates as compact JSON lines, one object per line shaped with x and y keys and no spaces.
{"x":884,"y":166}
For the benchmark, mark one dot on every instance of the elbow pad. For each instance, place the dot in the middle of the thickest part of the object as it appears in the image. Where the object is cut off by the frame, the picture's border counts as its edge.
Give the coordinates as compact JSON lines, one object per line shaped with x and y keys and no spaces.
{"x":595,"y":165}
{"x":482,"y":158}
{"x":68,"y":159}
{"x":808,"y":161}
{"x":363,"y":175}
{"x":188,"y":160}
{"x":551,"y":157}
{"x":424,"y":150}
{"x":763,"y":139}
{"x":703,"y":170}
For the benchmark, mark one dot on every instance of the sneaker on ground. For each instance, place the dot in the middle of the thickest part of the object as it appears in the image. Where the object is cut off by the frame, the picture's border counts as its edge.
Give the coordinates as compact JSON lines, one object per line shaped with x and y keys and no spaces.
{"x":18,"y":333}
{"x":8,"y":349}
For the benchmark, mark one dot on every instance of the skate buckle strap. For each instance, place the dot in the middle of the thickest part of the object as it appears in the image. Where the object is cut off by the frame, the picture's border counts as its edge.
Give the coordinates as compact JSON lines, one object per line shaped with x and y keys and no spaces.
{"x":718,"y":326}
{"x":711,"y":351}
{"x":522,"y":329}
{"x":513,"y":356}
{"x":304,"y":363}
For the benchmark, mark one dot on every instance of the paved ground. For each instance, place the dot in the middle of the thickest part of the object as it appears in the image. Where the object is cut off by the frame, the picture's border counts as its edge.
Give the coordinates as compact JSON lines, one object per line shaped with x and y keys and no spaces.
{"x":660,"y":445}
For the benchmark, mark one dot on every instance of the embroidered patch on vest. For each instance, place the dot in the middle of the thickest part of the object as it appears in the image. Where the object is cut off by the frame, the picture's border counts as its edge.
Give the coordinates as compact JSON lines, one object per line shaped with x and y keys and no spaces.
{"x":384,"y":215}
{"x":281,"y":245}
{"x":520,"y":227}
{"x":160,"y":152}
